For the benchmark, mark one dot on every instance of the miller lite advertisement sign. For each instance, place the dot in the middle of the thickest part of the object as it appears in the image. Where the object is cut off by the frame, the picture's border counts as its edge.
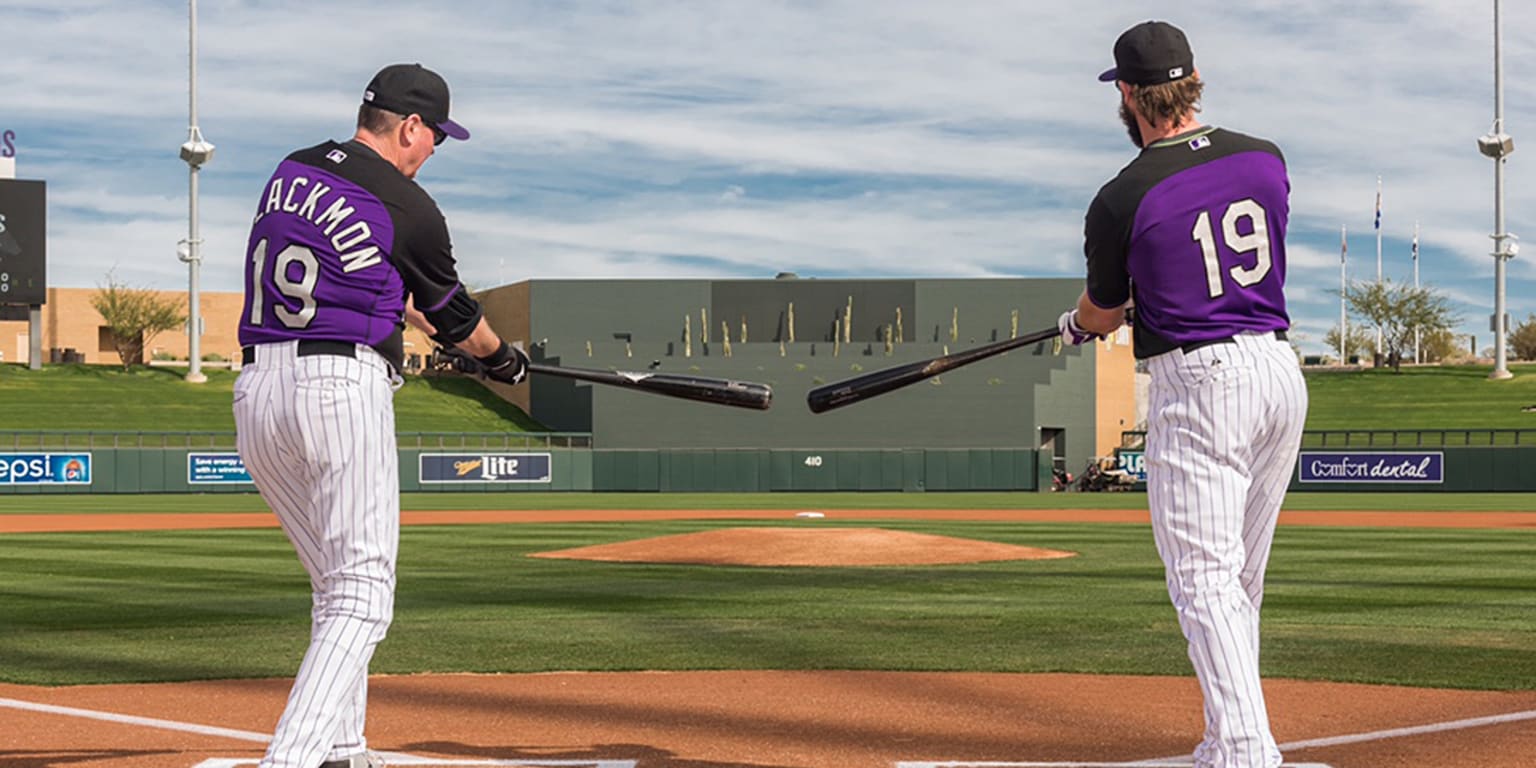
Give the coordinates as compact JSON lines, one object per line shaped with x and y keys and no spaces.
{"x":484,"y":468}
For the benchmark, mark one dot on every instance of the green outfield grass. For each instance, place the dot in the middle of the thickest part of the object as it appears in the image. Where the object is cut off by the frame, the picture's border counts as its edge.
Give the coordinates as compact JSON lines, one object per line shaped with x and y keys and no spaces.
{"x":106,"y":399}
{"x":1433,"y":607}
{"x":1452,"y":608}
{"x":1431,"y":397}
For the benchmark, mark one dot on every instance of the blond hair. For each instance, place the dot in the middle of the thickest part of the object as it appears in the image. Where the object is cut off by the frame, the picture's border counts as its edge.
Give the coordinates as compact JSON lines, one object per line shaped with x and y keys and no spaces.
{"x":1168,"y":103}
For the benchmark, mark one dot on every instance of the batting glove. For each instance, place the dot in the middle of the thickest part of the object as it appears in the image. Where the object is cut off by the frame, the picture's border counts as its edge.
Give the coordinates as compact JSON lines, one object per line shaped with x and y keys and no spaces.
{"x":507,"y":365}
{"x":1071,"y":332}
{"x":450,"y":357}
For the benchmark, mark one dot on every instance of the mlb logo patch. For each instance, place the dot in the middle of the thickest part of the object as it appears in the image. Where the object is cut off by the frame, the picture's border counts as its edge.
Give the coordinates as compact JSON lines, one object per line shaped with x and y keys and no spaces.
{"x":1175,"y":73}
{"x":335,"y":155}
{"x":1199,"y":143}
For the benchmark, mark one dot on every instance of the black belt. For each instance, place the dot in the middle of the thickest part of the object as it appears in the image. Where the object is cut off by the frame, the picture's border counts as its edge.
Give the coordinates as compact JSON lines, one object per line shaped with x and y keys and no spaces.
{"x":308,"y":347}
{"x":1194,"y":345}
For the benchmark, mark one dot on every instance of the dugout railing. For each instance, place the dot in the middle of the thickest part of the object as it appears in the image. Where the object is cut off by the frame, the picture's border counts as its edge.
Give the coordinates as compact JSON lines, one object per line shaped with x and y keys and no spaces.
{"x":1389,"y":438}
{"x":26,"y":440}
{"x":1463,"y":460}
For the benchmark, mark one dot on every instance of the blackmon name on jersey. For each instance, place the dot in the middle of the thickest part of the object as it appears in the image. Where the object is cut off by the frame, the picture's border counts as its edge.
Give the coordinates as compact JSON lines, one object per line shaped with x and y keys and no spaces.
{"x":319,"y":261}
{"x":345,"y":230}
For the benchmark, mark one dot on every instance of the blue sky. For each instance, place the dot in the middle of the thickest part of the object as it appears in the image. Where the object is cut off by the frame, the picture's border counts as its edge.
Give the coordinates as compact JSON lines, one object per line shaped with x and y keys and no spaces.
{"x":740,"y":138}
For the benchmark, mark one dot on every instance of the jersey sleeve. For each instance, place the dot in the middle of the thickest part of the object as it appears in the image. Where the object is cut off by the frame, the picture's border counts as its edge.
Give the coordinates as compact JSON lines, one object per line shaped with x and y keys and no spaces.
{"x":426,"y":264}
{"x":1105,"y":241}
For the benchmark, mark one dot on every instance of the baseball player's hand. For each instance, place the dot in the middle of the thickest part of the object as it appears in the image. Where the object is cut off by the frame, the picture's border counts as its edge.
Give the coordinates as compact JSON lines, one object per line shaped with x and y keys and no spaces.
{"x":455,"y":358}
{"x":1071,"y":332}
{"x":507,"y":365}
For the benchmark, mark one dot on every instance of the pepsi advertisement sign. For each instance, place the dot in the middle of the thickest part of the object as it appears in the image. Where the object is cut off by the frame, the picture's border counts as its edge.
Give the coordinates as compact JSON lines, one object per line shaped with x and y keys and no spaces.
{"x":484,"y":467}
{"x":45,"y":469}
{"x":1372,"y":467}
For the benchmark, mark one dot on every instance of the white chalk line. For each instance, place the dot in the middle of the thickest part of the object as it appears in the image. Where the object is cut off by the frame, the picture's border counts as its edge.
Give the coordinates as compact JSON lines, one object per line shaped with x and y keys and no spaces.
{"x":225,"y":763}
{"x":148,"y":722}
{"x":1392,"y":733}
{"x":986,"y":764}
{"x":394,"y":758}
{"x":1184,"y":760}
{"x":1330,"y":741}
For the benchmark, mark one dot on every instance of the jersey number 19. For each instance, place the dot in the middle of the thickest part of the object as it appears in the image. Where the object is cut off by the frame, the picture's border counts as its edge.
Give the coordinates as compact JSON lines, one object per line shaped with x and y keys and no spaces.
{"x":301,"y":290}
{"x":1256,"y":241}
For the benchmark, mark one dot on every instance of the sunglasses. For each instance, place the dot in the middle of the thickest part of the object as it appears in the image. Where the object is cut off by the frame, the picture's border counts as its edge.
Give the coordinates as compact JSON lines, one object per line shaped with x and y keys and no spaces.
{"x":438,"y":136}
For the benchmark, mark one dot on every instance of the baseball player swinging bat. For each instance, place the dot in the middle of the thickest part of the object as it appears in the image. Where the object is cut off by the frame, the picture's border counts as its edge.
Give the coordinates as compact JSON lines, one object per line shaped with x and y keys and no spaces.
{"x":740,"y":394}
{"x":840,"y":393}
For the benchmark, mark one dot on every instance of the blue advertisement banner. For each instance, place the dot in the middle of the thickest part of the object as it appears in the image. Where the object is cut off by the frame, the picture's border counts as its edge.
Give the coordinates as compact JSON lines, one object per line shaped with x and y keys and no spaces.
{"x":485,"y":467}
{"x":216,"y":468}
{"x":45,"y":469}
{"x":1135,"y":464}
{"x":1372,"y":467}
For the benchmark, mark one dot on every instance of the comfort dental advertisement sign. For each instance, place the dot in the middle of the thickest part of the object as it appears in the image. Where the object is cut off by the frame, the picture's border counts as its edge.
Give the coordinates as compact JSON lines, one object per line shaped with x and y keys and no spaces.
{"x":1372,"y":467}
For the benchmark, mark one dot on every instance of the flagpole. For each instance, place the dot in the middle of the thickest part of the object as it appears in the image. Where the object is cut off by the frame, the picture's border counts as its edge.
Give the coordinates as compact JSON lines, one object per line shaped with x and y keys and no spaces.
{"x":1343,"y":294}
{"x":1416,"y":359}
{"x":1379,"y":349}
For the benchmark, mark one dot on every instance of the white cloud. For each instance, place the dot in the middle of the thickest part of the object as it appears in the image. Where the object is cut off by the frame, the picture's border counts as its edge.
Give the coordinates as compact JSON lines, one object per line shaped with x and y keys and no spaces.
{"x":739,"y":138}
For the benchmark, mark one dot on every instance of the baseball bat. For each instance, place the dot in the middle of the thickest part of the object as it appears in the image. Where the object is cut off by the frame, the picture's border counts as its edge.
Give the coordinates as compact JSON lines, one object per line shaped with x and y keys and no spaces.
{"x":740,"y":394}
{"x":863,"y":387}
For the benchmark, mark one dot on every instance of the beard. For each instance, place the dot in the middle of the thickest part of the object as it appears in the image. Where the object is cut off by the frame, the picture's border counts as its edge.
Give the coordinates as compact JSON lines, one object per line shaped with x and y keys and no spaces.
{"x":1130,"y":125}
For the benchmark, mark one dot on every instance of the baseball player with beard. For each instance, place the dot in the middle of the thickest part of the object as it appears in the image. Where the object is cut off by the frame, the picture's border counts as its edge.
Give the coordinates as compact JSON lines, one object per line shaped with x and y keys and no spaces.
{"x":343,"y":239}
{"x":1192,"y":232}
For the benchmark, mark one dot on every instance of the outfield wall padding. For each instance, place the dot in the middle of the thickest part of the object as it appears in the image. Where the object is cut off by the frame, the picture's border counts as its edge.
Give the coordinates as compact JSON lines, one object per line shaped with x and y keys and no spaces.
{"x":721,"y":470}
{"x":743,"y":470}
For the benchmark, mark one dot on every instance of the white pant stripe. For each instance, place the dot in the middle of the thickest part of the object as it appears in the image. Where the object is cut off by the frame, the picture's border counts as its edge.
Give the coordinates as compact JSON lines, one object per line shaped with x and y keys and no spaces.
{"x":317,"y":435}
{"x":1225,"y":430}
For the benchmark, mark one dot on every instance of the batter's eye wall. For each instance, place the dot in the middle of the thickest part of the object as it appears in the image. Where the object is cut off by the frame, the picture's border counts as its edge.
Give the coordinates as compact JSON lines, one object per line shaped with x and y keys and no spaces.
{"x":660,"y":325}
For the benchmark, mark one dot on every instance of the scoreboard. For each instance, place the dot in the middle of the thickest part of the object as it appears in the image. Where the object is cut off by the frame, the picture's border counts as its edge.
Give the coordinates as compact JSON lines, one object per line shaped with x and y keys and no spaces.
{"x":23,"y":242}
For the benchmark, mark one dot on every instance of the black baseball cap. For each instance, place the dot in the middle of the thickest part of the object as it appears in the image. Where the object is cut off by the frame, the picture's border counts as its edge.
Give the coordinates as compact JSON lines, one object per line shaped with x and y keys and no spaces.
{"x":411,"y":89}
{"x":1151,"y":53}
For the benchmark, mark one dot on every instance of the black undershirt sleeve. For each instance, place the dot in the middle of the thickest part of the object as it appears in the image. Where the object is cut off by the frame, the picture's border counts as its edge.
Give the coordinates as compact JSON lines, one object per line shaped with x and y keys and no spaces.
{"x":1104,"y":244}
{"x":432,"y":280}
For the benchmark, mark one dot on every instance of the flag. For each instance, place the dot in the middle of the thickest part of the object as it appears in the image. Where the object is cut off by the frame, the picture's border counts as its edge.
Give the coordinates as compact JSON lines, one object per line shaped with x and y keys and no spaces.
{"x":1415,"y":245}
{"x":1343,"y":245}
{"x":1378,"y":202}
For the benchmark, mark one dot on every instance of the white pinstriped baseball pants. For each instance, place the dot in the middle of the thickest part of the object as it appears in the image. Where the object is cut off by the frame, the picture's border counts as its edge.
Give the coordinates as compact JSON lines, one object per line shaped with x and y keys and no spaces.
{"x":317,"y":434}
{"x":1222,"y":439}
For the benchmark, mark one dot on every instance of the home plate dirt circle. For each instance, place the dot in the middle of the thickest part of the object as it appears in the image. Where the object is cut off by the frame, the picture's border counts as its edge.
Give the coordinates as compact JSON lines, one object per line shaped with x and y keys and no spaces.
{"x":825,"y":547}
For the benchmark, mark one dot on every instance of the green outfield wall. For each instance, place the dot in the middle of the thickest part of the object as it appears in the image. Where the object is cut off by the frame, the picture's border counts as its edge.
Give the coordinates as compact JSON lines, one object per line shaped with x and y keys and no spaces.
{"x":460,"y":468}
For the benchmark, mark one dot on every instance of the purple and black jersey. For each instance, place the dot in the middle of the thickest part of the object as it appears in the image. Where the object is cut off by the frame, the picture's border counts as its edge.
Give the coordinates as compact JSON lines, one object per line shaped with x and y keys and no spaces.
{"x":1194,"y":230}
{"x":340,"y":238}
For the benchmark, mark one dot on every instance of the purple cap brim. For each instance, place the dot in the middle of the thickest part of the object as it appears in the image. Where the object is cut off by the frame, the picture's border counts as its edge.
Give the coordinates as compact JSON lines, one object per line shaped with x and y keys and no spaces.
{"x":454,"y":129}
{"x":1109,"y":75}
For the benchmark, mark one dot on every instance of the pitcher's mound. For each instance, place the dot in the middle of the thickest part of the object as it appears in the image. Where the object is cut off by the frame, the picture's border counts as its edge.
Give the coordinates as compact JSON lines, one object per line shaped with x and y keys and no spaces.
{"x":805,"y":546}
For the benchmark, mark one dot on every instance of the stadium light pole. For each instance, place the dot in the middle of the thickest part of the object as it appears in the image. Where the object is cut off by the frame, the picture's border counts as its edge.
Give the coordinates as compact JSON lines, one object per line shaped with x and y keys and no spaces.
{"x":1498,"y":145}
{"x":195,"y":152}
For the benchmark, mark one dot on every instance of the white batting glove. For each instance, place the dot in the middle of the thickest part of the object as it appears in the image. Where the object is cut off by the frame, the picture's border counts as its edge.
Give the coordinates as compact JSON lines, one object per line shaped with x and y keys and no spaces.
{"x":1071,"y":332}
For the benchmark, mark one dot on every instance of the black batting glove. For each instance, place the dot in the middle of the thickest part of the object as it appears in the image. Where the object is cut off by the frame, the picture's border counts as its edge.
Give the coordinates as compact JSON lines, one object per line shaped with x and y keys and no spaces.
{"x":507,"y":365}
{"x":446,"y":357}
